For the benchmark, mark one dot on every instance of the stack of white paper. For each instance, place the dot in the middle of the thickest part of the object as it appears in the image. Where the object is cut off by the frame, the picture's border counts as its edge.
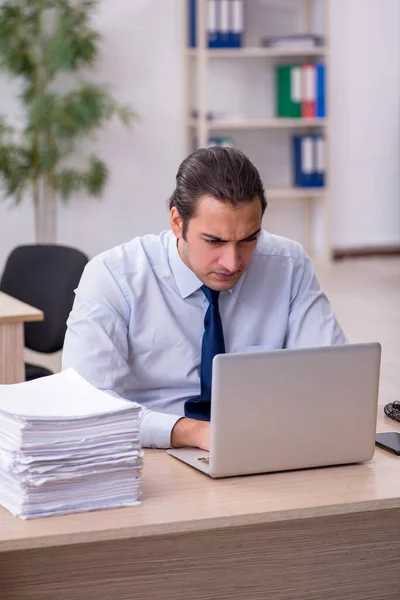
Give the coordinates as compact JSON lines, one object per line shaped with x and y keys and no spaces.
{"x":67,"y":447}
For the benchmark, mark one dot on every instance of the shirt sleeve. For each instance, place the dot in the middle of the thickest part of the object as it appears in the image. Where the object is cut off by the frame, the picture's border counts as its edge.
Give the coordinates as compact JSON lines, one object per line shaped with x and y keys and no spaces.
{"x":96,"y":346}
{"x":312,"y":321}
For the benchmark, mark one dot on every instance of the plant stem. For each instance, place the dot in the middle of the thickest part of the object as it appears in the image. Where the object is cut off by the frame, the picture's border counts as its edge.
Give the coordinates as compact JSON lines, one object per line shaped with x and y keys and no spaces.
{"x":49,"y":214}
{"x":50,"y":185}
{"x":36,"y":139}
{"x":50,"y":198}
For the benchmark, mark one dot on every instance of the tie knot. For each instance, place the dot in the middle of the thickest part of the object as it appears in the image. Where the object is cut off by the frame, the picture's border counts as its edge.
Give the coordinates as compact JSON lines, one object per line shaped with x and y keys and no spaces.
{"x":211,"y":295}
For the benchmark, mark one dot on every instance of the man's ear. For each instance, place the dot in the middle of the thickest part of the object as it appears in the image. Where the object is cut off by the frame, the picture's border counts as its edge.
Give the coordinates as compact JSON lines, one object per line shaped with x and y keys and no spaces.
{"x":176,"y":222}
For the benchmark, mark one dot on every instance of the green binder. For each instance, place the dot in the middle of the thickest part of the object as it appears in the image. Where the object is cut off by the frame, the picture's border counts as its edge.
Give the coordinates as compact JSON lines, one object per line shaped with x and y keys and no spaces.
{"x":288,"y":91}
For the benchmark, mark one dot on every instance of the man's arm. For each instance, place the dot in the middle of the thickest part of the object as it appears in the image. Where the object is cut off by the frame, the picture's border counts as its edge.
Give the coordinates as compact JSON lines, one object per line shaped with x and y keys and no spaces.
{"x":312,"y":321}
{"x":96,"y":346}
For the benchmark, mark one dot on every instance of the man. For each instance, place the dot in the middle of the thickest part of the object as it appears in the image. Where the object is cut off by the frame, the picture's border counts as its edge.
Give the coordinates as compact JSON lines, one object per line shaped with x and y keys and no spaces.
{"x":150,"y":315}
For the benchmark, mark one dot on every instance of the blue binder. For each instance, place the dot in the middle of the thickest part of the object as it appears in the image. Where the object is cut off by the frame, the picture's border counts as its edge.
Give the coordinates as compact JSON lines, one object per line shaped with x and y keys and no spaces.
{"x":303,"y":177}
{"x":319,"y":157}
{"x":308,"y":161}
{"x":213,"y":18}
{"x":213,"y":40}
{"x":192,"y":23}
{"x":236,"y":23}
{"x":320,"y":103}
{"x":224,"y":23}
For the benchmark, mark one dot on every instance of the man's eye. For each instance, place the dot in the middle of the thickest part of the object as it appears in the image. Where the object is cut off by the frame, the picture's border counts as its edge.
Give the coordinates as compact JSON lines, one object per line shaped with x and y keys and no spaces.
{"x":213,"y":242}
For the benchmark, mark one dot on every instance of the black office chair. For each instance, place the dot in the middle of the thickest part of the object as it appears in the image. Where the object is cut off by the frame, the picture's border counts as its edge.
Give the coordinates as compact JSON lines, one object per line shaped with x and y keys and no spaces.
{"x":44,"y":276}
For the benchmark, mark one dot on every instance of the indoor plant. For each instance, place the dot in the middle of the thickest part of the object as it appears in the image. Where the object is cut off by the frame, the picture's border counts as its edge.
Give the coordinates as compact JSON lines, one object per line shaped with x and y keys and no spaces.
{"x":40,"y":41}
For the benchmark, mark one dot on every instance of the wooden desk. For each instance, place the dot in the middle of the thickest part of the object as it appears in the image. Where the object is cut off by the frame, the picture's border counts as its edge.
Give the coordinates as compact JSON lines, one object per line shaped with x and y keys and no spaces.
{"x":13,"y":315}
{"x":321,"y":534}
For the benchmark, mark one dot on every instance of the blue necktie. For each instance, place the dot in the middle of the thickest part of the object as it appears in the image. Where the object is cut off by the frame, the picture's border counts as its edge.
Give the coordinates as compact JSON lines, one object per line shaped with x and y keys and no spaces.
{"x":213,"y":344}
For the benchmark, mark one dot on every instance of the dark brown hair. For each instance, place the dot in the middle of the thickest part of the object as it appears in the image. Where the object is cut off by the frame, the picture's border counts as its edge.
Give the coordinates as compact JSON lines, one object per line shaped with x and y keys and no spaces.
{"x":224,"y":173}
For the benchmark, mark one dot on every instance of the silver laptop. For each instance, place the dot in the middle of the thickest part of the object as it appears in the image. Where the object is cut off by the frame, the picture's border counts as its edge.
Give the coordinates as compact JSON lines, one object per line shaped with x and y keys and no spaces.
{"x":290,"y":409}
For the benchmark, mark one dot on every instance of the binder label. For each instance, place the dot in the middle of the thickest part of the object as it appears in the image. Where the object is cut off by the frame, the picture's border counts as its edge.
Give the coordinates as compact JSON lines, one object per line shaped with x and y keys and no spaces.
{"x":237,"y":16}
{"x":310,"y":83}
{"x":295,"y":84}
{"x":224,"y":16}
{"x":307,"y":155}
{"x":212,"y":16}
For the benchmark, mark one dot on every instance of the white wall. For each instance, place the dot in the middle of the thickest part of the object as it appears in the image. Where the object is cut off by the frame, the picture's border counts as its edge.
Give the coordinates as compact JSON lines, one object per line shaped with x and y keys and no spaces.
{"x":365,"y":125}
{"x":142,"y":60}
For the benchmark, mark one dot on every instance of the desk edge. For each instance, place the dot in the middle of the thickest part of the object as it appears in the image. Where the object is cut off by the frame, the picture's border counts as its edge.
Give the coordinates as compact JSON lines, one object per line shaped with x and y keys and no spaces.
{"x":192,"y":526}
{"x":22,"y":318}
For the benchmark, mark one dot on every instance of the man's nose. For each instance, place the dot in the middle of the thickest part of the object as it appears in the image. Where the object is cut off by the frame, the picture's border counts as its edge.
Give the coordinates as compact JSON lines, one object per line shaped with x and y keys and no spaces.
{"x":229,"y":259}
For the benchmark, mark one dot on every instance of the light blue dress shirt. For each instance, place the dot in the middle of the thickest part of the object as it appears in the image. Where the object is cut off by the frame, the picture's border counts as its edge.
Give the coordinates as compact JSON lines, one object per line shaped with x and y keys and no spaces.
{"x":137,"y":322}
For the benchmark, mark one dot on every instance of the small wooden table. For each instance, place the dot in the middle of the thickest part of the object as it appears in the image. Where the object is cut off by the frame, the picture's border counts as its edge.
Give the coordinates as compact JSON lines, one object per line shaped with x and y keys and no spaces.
{"x":13,"y":315}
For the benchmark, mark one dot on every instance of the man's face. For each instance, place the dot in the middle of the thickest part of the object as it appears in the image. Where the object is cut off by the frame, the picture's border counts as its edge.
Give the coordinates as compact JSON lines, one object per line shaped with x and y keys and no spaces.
{"x":220,"y":240}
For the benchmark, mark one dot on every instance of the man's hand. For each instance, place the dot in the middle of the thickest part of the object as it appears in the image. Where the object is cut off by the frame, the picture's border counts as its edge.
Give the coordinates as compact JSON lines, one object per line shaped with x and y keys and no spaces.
{"x":190,"y":432}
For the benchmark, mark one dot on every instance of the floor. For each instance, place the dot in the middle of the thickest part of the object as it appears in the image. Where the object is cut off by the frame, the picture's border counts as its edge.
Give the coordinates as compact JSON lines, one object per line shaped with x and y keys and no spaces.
{"x":365,"y":294}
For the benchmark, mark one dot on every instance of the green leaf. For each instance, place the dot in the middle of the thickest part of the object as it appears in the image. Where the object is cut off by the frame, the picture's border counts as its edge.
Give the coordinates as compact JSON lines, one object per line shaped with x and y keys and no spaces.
{"x":17,"y":35}
{"x":126,"y":115}
{"x":73,"y":181}
{"x":41,"y":112}
{"x":49,"y":158}
{"x":68,"y":182}
{"x":78,"y":113}
{"x":5,"y":130}
{"x":96,"y":177}
{"x":72,"y":44}
{"x":15,"y":170}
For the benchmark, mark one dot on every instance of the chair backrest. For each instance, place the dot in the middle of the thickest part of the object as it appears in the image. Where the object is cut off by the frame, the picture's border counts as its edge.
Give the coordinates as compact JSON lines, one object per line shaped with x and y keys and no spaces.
{"x":44,"y":276}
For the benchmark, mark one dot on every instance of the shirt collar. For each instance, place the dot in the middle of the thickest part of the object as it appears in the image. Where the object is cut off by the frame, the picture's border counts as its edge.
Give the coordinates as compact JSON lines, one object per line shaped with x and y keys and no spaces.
{"x":185,"y":279}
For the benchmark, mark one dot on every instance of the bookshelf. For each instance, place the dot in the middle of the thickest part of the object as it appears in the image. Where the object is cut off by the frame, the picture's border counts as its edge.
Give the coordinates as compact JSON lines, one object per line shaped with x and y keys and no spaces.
{"x":258,"y":52}
{"x":199,"y":63}
{"x":272,"y":123}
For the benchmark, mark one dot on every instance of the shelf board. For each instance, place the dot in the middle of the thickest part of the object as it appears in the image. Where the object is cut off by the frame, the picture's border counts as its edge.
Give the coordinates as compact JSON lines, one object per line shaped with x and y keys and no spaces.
{"x":272,"y":123}
{"x":294,"y":193}
{"x":256,"y":52}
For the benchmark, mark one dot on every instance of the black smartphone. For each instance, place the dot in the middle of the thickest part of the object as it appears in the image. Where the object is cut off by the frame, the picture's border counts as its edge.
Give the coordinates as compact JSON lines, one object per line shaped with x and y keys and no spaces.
{"x":389,"y":441}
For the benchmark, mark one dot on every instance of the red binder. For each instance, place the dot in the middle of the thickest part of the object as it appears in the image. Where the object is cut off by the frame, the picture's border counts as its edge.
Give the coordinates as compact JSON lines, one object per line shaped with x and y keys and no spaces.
{"x":309,"y":95}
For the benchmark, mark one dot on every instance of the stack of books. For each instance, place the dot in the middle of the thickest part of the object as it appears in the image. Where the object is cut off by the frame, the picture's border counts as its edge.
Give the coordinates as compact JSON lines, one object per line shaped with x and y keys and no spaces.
{"x":67,"y":447}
